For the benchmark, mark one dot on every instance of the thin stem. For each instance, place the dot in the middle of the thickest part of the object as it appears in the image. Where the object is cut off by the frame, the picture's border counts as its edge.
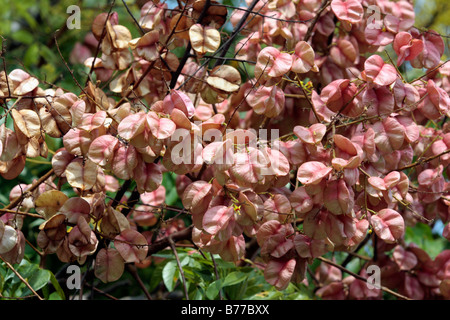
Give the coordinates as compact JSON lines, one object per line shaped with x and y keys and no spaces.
{"x":236,"y":31}
{"x":180,"y":268}
{"x":428,"y":146}
{"x":157,"y":246}
{"x":357,"y":255}
{"x":313,"y":277}
{"x":101,"y":292}
{"x":264,"y":122}
{"x":4,"y":65}
{"x":120,"y":193}
{"x":21,"y":278}
{"x":229,"y":59}
{"x":132,"y":200}
{"x":295,"y":96}
{"x":34,"y":248}
{"x":17,"y":200}
{"x":134,"y":19}
{"x":395,"y":66}
{"x":357,"y":276}
{"x":133,"y":271}
{"x":97,"y":50}
{"x":308,"y":35}
{"x":38,"y":161}
{"x":187,"y":51}
{"x":22,"y":213}
{"x":68,"y":68}
{"x":430,"y":71}
{"x":350,"y":256}
{"x":260,"y":14}
{"x":216,"y":272}
{"x":382,"y":114}
{"x":309,"y":101}
{"x":419,"y":161}
{"x":375,"y":246}
{"x":79,"y":85}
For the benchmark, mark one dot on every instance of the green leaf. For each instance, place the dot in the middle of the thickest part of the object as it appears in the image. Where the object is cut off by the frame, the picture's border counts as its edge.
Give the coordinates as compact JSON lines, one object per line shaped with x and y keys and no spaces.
{"x":221,"y":264}
{"x":49,"y":72}
{"x":164,"y":254}
{"x":185,"y":261}
{"x":168,"y":275}
{"x":23,"y":12}
{"x":234,"y":278}
{"x":46,"y":293}
{"x":198,"y":295}
{"x":273,"y":295}
{"x":38,"y":280}
{"x":2,"y":281}
{"x":23,"y":37}
{"x":422,"y":236}
{"x":206,"y":275}
{"x":59,"y":290}
{"x":3,"y":197}
{"x":55,"y":296}
{"x":48,"y":54}
{"x":31,"y":56}
{"x":231,"y":279}
{"x":172,"y":197}
{"x":156,"y":277}
{"x":36,"y":223}
{"x":213,"y":289}
{"x":193,"y":263}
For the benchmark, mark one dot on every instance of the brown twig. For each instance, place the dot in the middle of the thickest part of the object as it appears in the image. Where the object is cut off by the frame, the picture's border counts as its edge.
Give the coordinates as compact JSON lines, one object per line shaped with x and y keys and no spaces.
{"x":422,"y":161}
{"x":260,"y":14}
{"x":331,"y":125}
{"x":157,"y":246}
{"x":180,"y":268}
{"x":346,"y":124}
{"x":4,"y":65}
{"x":119,"y":195}
{"x":313,"y":277}
{"x":133,"y":271}
{"x":131,"y":201}
{"x":236,"y":31}
{"x":134,"y":19}
{"x":21,"y":278}
{"x":224,"y":48}
{"x":97,"y":50}
{"x":17,"y":200}
{"x":244,"y":99}
{"x":430,"y":71}
{"x":68,"y":68}
{"x":150,"y":66}
{"x":79,"y":85}
{"x":22,"y":213}
{"x":101,"y":292}
{"x":309,"y":102}
{"x":34,"y":248}
{"x":325,"y":4}
{"x":187,"y":51}
{"x":357,"y":276}
{"x":216,"y":272}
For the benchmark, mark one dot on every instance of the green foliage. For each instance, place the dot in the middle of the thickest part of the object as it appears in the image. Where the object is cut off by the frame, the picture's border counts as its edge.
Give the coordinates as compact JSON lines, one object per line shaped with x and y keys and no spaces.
{"x":28,"y":28}
{"x":232,"y":282}
{"x":433,"y":15}
{"x":39,"y":279}
{"x":422,"y":236}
